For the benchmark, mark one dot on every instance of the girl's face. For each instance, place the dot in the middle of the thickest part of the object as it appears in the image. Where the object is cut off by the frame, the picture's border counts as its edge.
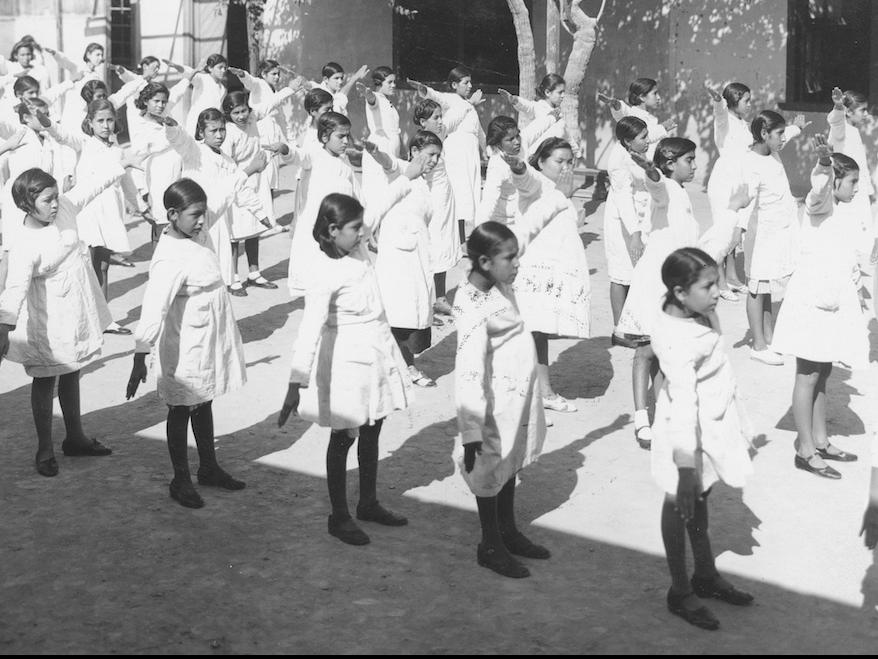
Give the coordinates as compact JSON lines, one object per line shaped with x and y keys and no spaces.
{"x":103,"y":124}
{"x":319,"y":112}
{"x":555,"y":96}
{"x":272,"y":77}
{"x":464,"y":87}
{"x":337,"y":141}
{"x":388,"y":87}
{"x":240,"y":114}
{"x":95,"y":57}
{"x":434,"y":122}
{"x":846,"y":188}
{"x":701,"y":297}
{"x":214,"y":134}
{"x":431,"y":154}
{"x":558,"y":162}
{"x":348,"y":236}
{"x":334,"y":82}
{"x":511,"y":143}
{"x":24,"y":56}
{"x":32,"y":122}
{"x":150,"y":70}
{"x":45,"y":208}
{"x":744,"y":106}
{"x":651,"y":99}
{"x":156,"y":104}
{"x":775,"y":138}
{"x":640,"y":143}
{"x":190,"y":221}
{"x":502,"y":267}
{"x":100,"y":94}
{"x":29,"y":93}
{"x":857,"y":117}
{"x":218,"y":71}
{"x":683,"y":168}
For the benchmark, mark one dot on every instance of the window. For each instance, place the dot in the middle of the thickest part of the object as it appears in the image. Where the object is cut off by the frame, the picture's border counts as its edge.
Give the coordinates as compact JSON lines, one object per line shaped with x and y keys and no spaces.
{"x":122,"y":34}
{"x":829,"y":45}
{"x":448,"y":33}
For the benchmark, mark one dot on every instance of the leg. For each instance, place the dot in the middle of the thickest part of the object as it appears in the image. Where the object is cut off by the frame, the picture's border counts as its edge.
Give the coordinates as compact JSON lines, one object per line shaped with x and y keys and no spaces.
{"x":514,"y":540}
{"x":804,"y":411}
{"x":76,"y":442}
{"x":181,"y":486}
{"x":755,"y":305}
{"x":441,"y":305}
{"x":104,"y":265}
{"x":209,"y":472}
{"x":368,"y":509}
{"x":618,"y":294}
{"x":42,"y":394}
{"x":642,"y":368}
{"x":818,"y":420}
{"x":769,"y":313}
{"x":255,"y":278}
{"x":492,"y":552}
{"x":461,"y":230}
{"x":340,"y":523}
{"x":439,"y":283}
{"x":551,"y":400}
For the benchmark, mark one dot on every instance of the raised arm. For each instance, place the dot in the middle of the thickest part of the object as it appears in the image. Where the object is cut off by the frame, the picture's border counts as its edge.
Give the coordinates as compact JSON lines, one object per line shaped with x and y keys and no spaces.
{"x":497,"y":173}
{"x":819,"y":200}
{"x":126,"y":91}
{"x":61,"y":59}
{"x":535,"y":218}
{"x":359,"y":74}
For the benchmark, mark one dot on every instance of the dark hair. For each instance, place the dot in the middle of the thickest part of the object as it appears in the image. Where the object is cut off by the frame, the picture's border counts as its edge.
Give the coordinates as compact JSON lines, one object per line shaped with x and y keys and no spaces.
{"x":424,"y":138}
{"x":233,"y":100}
{"x":498,"y":129}
{"x":24,"y":111}
{"x":266,"y":65}
{"x":843,"y":165}
{"x":89,"y":88}
{"x":457,"y":74}
{"x":328,"y":122}
{"x":330,"y":69}
{"x":639,"y":88}
{"x":424,"y":110}
{"x":213,"y":60}
{"x":24,"y":84}
{"x":734,"y":92}
{"x":146,"y":61}
{"x":682,"y":268}
{"x":151,"y":89}
{"x":182,"y":194}
{"x":315,"y":99}
{"x":766,"y":120}
{"x":335,"y":209}
{"x":485,"y":240}
{"x":210,"y":114}
{"x":853,"y":99}
{"x":546,"y":148}
{"x":669,"y":150}
{"x":380,"y":74}
{"x":548,"y":84}
{"x":92,"y":109}
{"x":21,"y":44}
{"x":28,"y":186}
{"x":89,"y":49}
{"x":628,"y":128}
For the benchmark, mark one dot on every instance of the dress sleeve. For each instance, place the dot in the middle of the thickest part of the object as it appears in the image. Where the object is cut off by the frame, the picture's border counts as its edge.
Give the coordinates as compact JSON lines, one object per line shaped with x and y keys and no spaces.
{"x":525,"y":106}
{"x":439,"y":97}
{"x":678,"y":365}
{"x":529,"y":186}
{"x":22,"y":262}
{"x":52,"y":94}
{"x":497,"y":172}
{"x":470,"y":379}
{"x":819,"y":199}
{"x":623,"y":111}
{"x":622,"y":184}
{"x":265,"y":108}
{"x":720,"y":123}
{"x":185,"y":145}
{"x":836,"y":122}
{"x":176,"y":94}
{"x":538,"y":216}
{"x":246,"y":197}
{"x":531,"y":134}
{"x":126,"y":91}
{"x":165,"y":281}
{"x":87,"y":190}
{"x":791,"y":132}
{"x":381,"y":204}
{"x":317,"y":300}
{"x":65,"y":137}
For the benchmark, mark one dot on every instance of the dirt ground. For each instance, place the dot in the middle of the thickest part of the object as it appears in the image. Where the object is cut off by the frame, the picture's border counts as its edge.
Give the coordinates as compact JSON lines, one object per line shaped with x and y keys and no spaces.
{"x":101,"y":560}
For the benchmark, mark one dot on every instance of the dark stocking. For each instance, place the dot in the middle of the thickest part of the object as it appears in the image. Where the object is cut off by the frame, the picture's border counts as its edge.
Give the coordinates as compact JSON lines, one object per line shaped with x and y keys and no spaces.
{"x":336,"y":472}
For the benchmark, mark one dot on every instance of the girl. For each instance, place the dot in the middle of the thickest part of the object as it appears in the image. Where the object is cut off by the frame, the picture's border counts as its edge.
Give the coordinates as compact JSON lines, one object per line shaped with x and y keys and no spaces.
{"x":701,"y":431}
{"x":544,"y":114}
{"x":821,"y":320}
{"x":769,"y":243}
{"x":333,"y":81}
{"x":403,"y":263}
{"x":464,"y":141}
{"x":643,"y":100}
{"x":444,"y":244}
{"x":208,"y":89}
{"x":91,"y":68}
{"x":383,"y":123}
{"x":330,"y":172}
{"x":359,"y":375}
{"x":317,"y":103}
{"x":61,"y":329}
{"x":626,"y":216}
{"x":553,"y":289}
{"x":21,"y":62}
{"x":187,"y":311}
{"x":206,"y":164}
{"x":499,"y":412}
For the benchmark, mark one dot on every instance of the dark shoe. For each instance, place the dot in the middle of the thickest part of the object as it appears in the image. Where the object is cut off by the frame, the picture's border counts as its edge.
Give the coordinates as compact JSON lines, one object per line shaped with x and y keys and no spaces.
{"x":120,"y":260}
{"x":706,"y":588}
{"x":48,"y":467}
{"x":216,"y":477}
{"x":260,"y":284}
{"x":347,"y":531}
{"x":841,"y":456}
{"x":505,"y":565}
{"x":700,"y":617}
{"x":519,"y":545}
{"x":95,"y":448}
{"x":237,"y":291}
{"x":628,"y":340}
{"x":380,"y":515}
{"x":117,"y":329}
{"x":184,"y":492}
{"x":805,"y":465}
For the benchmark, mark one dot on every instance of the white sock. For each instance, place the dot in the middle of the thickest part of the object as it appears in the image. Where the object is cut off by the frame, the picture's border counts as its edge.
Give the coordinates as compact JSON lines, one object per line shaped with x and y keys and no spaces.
{"x":255,"y":275}
{"x":641,"y":418}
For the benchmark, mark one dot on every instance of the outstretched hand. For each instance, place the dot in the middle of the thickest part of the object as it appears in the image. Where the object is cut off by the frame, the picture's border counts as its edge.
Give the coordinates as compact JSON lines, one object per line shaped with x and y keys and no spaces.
{"x":290,"y":405}
{"x":238,"y":72}
{"x":714,"y":92}
{"x":669,"y":125}
{"x":469,"y":455}
{"x":420,"y":87}
{"x":477,"y":98}
{"x":138,"y":374}
{"x":824,"y":151}
{"x":365,"y":92}
{"x":505,"y":95}
{"x":377,"y":154}
{"x":171,"y":65}
{"x":614,"y":103}
{"x":417,"y":166}
{"x":516,"y":164}
{"x":800,"y":123}
{"x":838,"y":98}
{"x":38,"y":112}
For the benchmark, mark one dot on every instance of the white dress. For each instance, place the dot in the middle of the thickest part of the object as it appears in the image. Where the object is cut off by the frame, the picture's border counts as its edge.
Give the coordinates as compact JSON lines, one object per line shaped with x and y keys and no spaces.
{"x":552,"y":287}
{"x":461,"y":151}
{"x":360,"y":376}
{"x":499,"y":194}
{"x":673,"y":226}
{"x":273,"y":125}
{"x":699,"y":422}
{"x":188,"y":313}
{"x":627,"y":210}
{"x":537,"y":123}
{"x":206,"y":93}
{"x":444,"y":239}
{"x":821,"y":319}
{"x":308,"y":146}
{"x":383,"y":122}
{"x":339,"y":98}
{"x":60,"y":328}
{"x":495,"y":380}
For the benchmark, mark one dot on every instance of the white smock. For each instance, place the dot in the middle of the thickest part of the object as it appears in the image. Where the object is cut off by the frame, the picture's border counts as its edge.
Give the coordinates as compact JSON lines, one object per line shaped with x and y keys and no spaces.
{"x":627,"y":212}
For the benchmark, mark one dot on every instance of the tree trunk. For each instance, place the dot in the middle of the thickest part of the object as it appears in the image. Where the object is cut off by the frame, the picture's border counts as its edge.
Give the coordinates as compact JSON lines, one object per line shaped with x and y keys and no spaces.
{"x":254,"y":33}
{"x":526,"y":50}
{"x":583,"y":44}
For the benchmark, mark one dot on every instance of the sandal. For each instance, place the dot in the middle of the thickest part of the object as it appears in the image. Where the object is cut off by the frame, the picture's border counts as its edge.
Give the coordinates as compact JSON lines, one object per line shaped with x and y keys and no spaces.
{"x":558,"y":404}
{"x":730,"y":295}
{"x":643,"y":435}
{"x":838,"y":456}
{"x":419,"y":379}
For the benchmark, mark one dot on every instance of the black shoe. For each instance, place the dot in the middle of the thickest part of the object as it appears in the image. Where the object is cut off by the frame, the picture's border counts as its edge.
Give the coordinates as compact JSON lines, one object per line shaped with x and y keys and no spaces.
{"x":347,"y":531}
{"x":377,"y":513}
{"x":700,"y":617}
{"x":805,"y":465}
{"x":841,"y":456}
{"x":237,"y":291}
{"x":216,"y":477}
{"x":95,"y":448}
{"x":518,"y":544}
{"x":504,"y":565}
{"x":706,"y":588}
{"x":184,"y":492}
{"x":48,"y":467}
